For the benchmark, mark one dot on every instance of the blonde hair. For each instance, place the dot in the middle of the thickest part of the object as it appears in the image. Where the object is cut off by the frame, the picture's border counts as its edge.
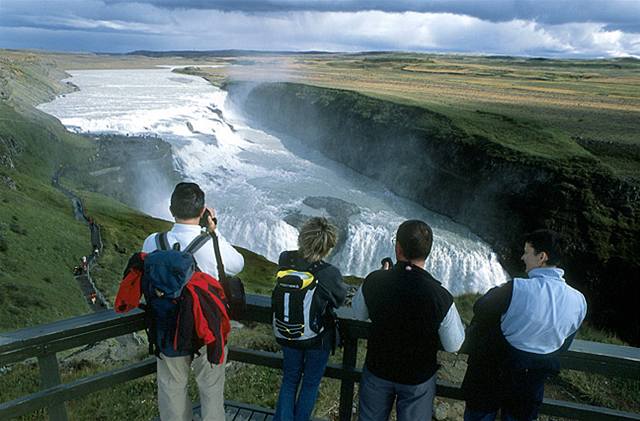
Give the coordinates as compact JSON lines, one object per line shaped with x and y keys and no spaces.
{"x":317,"y":238}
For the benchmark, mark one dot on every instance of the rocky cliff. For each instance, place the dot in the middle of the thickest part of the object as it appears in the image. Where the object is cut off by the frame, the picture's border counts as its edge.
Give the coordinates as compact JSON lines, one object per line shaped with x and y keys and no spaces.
{"x":498,"y":192}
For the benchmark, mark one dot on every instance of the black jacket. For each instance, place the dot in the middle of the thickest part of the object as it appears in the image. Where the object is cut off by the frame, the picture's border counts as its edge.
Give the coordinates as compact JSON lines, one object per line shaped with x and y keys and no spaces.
{"x":493,"y":364}
{"x":406,"y":308}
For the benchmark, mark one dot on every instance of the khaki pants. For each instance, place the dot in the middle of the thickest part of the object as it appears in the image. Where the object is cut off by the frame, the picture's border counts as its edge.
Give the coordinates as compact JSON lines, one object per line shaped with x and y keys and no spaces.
{"x":173,"y":398}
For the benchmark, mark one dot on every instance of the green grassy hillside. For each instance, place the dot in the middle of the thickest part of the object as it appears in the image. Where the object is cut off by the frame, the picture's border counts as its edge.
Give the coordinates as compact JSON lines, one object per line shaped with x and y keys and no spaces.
{"x":40,"y":241}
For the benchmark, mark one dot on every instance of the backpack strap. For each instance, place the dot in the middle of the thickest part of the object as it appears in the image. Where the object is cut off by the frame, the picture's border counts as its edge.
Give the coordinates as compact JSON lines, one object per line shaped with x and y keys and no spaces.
{"x":316,"y":267}
{"x":197,"y":243}
{"x":162,"y":242}
{"x":216,"y":249}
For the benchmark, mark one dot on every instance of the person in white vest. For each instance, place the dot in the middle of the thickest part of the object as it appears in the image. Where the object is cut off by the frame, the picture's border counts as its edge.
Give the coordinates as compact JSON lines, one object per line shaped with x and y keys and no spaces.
{"x":516,"y":333}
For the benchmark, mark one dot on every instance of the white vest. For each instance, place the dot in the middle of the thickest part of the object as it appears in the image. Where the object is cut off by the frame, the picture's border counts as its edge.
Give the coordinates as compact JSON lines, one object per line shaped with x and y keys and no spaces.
{"x":544,"y":311}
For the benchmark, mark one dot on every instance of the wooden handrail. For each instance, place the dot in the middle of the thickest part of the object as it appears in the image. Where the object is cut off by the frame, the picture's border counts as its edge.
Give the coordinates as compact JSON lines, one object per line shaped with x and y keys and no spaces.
{"x":45,"y":341}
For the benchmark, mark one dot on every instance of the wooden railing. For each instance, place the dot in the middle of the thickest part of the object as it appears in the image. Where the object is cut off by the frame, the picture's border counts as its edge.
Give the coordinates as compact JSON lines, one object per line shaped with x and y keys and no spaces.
{"x":45,"y":341}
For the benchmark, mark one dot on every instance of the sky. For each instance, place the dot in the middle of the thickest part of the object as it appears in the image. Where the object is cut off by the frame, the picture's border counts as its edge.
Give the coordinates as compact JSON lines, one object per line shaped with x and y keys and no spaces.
{"x":546,"y":28}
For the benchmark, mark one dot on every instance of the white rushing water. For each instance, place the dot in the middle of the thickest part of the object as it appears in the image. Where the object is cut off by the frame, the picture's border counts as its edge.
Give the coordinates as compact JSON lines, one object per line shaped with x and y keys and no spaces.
{"x":254,"y":182}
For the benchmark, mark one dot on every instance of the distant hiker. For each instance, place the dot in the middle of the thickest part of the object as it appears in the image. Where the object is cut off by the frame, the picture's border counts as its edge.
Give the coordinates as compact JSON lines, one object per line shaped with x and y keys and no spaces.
{"x":307,"y":291}
{"x":93,"y":297}
{"x":84,"y":264}
{"x":188,"y":207}
{"x":516,"y":333}
{"x":411,"y":315}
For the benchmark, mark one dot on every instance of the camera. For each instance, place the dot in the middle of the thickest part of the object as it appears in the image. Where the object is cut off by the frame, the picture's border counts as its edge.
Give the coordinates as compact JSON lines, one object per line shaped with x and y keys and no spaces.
{"x":204,"y":220}
{"x":387,"y":263}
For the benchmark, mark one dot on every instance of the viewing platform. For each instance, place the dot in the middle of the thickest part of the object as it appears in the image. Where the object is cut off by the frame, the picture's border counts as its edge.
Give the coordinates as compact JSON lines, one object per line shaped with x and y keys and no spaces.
{"x":44,"y":342}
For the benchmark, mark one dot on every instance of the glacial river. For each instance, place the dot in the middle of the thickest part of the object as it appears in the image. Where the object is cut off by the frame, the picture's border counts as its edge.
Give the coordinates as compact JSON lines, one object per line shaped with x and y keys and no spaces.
{"x":257,"y":184}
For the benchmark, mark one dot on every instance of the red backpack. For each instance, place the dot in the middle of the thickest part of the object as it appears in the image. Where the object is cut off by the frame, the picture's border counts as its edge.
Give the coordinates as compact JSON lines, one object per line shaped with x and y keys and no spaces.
{"x":198,"y":317}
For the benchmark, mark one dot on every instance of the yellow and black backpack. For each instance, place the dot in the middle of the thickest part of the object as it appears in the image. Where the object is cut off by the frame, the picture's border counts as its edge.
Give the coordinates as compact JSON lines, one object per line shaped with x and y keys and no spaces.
{"x":297,"y":317}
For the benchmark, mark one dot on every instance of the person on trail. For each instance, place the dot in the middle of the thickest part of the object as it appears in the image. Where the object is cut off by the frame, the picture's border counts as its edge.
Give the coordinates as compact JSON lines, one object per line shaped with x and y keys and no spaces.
{"x":517,"y":331}
{"x":307,"y":291}
{"x":93,"y":297}
{"x":411,"y":316}
{"x":173,"y":367}
{"x":84,"y":264}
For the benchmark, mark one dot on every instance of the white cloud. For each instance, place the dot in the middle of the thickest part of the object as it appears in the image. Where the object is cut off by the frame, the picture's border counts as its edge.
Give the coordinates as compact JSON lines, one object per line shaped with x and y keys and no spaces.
{"x":148,"y":27}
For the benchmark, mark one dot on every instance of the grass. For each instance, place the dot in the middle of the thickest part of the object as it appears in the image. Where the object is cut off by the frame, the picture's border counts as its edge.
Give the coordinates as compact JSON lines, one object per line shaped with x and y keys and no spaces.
{"x":37,"y":263}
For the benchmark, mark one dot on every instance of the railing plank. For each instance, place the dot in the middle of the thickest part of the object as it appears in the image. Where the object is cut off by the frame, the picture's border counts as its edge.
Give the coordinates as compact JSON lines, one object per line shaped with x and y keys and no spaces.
{"x":584,"y":412}
{"x":593,"y":357}
{"x":44,"y":333}
{"x":76,"y":389}
{"x":45,"y":339}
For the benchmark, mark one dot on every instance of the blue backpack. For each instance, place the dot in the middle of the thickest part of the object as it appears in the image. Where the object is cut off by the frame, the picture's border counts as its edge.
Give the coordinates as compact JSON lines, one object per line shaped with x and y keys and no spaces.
{"x":166,"y":272}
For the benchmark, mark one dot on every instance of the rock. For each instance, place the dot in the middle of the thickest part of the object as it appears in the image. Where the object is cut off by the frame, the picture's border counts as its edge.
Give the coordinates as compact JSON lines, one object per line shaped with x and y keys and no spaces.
{"x":236,"y":325}
{"x":440,"y":410}
{"x":123,"y":348}
{"x":336,"y":210}
{"x":8,"y":182}
{"x":9,"y":150}
{"x":296,"y":219}
{"x":6,"y":161}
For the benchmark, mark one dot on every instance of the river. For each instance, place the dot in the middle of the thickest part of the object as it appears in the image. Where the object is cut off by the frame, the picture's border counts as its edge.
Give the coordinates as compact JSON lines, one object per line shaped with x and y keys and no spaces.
{"x":261,"y":189}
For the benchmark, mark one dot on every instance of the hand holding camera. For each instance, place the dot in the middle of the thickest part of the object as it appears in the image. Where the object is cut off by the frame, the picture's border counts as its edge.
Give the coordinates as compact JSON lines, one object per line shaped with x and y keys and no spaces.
{"x":386,"y":263}
{"x":208,"y":219}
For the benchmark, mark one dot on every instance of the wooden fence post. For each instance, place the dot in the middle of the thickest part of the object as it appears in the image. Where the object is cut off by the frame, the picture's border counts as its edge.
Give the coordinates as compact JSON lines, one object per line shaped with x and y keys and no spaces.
{"x":349,"y":356}
{"x":49,"y":377}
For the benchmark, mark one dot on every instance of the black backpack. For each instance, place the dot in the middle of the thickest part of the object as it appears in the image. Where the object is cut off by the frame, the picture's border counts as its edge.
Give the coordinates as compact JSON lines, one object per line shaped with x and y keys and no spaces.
{"x":295,"y":316}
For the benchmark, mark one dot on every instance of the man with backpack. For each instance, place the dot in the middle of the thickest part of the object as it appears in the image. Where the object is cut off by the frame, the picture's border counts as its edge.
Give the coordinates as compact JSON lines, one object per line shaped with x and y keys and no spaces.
{"x":411,"y":316}
{"x":189,"y":211}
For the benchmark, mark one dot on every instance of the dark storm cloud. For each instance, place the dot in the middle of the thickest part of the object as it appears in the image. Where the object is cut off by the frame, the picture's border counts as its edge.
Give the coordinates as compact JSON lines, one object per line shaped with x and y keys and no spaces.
{"x":618,"y":13}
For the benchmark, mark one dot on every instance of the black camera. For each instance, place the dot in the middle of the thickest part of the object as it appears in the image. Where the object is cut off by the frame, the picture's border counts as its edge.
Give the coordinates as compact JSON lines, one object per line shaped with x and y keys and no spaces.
{"x":204,"y":220}
{"x":387,"y":262}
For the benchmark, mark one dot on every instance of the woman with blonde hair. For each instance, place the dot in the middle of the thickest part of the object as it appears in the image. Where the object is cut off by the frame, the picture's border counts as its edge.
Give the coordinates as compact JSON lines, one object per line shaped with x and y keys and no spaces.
{"x":307,"y":291}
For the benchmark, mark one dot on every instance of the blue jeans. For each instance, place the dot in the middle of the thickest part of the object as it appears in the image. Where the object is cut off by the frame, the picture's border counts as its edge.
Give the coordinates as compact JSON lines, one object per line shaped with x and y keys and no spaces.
{"x":305,"y":364}
{"x":413,"y":401}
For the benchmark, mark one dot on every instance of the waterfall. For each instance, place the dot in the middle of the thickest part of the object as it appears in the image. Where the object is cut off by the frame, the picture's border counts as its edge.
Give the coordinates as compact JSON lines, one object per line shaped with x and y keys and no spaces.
{"x":261,"y":189}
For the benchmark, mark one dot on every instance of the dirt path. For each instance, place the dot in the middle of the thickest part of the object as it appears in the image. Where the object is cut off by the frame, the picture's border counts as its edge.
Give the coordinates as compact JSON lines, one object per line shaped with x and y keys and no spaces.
{"x":82,"y":273}
{"x":95,"y":299}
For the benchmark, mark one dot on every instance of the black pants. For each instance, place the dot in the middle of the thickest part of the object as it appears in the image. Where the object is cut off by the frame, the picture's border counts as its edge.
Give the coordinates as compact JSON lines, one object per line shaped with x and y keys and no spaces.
{"x":519,"y":394}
